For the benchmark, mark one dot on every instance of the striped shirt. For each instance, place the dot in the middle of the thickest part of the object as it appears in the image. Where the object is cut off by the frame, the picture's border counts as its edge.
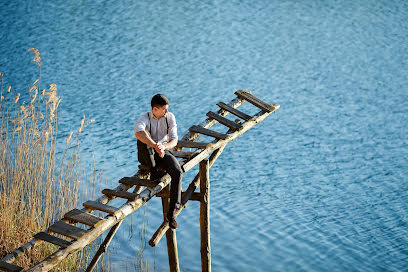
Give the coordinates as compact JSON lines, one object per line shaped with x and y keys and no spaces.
{"x":160,"y":130}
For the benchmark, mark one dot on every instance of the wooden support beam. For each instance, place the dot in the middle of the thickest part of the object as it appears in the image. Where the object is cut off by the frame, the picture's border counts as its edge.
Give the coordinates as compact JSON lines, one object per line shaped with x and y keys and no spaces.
{"x":234,"y":111}
{"x":255,"y":101}
{"x":191,"y":188}
{"x":52,"y":239}
{"x":10,"y":267}
{"x":208,"y":132}
{"x":171,"y":238}
{"x":103,"y":246}
{"x":194,"y":196}
{"x":224,"y":121}
{"x":76,"y":215}
{"x":67,"y":230}
{"x":205,"y":217}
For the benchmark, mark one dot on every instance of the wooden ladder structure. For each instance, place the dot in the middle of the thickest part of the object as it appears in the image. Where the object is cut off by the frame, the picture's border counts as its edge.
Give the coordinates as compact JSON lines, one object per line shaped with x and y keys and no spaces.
{"x":70,"y":235}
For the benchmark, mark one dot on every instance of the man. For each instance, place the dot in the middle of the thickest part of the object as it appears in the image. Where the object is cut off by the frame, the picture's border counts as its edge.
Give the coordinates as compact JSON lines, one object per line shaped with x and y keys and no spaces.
{"x":156,"y":131}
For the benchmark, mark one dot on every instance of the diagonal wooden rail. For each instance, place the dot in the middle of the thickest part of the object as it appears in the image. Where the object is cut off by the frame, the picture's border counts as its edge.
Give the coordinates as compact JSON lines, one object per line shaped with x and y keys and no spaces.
{"x":75,"y":237}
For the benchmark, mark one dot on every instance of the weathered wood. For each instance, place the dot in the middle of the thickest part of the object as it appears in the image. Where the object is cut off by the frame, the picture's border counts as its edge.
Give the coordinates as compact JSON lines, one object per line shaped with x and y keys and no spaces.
{"x":142,"y":173}
{"x":234,"y":111}
{"x":126,"y":209}
{"x":83,"y":217}
{"x":121,"y":194}
{"x":67,"y":230}
{"x":52,"y":239}
{"x":132,"y":181}
{"x":100,"y":207}
{"x":191,"y":144}
{"x":194,"y":196}
{"x":182,"y":154}
{"x":10,"y":267}
{"x":207,"y":123}
{"x":103,"y":246}
{"x":190,"y":190}
{"x":130,"y":206}
{"x":171,"y":238}
{"x":255,"y":101}
{"x":187,"y":165}
{"x":205,"y":217}
{"x":208,"y":132}
{"x":224,"y":121}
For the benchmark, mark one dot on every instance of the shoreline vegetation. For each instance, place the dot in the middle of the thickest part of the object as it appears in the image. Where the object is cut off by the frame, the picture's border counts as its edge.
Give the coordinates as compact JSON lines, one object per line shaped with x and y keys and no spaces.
{"x":35,"y":188}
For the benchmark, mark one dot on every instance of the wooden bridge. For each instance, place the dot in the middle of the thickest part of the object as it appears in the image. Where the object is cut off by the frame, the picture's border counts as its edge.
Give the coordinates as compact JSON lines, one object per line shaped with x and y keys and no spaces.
{"x":70,"y":235}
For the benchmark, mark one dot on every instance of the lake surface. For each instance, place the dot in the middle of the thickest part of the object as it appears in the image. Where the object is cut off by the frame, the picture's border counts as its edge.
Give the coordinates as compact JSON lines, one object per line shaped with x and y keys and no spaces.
{"x":320,"y":185}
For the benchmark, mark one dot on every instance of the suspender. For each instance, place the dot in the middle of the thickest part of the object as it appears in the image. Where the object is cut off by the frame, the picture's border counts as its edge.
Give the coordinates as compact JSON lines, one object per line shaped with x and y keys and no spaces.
{"x":150,"y":124}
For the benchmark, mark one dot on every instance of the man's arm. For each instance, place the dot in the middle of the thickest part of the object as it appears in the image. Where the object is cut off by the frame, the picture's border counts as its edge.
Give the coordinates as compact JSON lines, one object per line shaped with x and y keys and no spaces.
{"x":146,"y":139}
{"x":170,"y":144}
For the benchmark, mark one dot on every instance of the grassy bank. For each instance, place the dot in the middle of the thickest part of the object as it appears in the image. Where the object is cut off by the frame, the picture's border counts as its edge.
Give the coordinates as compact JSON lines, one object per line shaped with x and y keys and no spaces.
{"x":36,"y":188}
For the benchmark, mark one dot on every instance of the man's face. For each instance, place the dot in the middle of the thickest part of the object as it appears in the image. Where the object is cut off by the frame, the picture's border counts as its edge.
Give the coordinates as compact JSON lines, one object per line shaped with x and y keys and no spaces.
{"x":161,"y":111}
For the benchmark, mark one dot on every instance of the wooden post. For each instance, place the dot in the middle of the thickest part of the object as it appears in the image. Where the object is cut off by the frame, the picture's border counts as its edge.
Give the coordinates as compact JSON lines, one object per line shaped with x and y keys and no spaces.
{"x":103,"y":247}
{"x":170,"y":236}
{"x":205,"y":217}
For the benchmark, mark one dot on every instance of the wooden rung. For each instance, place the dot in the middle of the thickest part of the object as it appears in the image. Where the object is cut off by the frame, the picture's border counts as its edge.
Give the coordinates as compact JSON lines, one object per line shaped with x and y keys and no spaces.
{"x":234,"y":111}
{"x":182,"y":154}
{"x":208,"y":132}
{"x":121,"y":194}
{"x":255,"y":101}
{"x":224,"y":121}
{"x":67,"y":230}
{"x":132,"y":181}
{"x":191,"y":144}
{"x":52,"y":239}
{"x":10,"y":267}
{"x":100,"y":207}
{"x":83,"y":217}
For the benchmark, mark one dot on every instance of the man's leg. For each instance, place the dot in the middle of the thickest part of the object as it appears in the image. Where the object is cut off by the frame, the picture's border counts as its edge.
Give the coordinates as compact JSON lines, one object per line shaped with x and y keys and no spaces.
{"x":172,"y":167}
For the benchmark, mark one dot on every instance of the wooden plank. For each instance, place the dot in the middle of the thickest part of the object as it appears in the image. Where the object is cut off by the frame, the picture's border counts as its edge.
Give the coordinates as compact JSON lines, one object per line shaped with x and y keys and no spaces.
{"x":10,"y":267}
{"x":255,"y":101}
{"x":132,"y":181}
{"x":83,"y":217}
{"x":121,"y":194}
{"x":224,"y":121}
{"x":67,"y":230}
{"x":52,"y":239}
{"x":182,"y":154}
{"x":234,"y":111}
{"x":191,"y":144}
{"x":100,"y":207}
{"x":208,"y":132}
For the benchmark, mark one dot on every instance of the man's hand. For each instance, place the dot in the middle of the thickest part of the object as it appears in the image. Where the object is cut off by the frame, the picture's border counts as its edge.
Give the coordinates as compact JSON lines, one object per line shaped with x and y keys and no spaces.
{"x":160,"y":149}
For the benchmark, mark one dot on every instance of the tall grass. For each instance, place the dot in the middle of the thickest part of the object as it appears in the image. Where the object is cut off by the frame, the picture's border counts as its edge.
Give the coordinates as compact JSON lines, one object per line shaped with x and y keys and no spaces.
{"x":35,"y":187}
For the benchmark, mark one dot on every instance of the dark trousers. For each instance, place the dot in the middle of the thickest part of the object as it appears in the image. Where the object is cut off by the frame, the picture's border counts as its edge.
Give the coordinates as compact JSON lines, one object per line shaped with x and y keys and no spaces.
{"x":172,"y":167}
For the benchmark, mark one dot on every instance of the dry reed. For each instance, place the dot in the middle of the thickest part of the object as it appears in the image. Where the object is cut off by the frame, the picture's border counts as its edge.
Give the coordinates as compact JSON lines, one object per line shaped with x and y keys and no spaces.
{"x":35,"y":190}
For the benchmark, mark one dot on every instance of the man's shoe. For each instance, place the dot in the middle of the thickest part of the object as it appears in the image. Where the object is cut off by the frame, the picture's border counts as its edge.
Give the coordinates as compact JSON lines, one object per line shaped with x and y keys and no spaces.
{"x":173,"y":223}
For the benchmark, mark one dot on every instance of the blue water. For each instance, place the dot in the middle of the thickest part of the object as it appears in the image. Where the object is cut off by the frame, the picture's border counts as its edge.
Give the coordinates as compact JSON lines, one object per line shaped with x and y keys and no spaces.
{"x":320,"y":185}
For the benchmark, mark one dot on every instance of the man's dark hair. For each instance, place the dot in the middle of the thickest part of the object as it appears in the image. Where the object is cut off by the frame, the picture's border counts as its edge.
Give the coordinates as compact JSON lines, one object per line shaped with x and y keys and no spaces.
{"x":159,"y":100}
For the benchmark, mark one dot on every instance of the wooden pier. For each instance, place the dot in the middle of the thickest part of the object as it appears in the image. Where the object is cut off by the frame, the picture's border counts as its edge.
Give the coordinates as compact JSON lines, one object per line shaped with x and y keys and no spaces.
{"x":139,"y":189}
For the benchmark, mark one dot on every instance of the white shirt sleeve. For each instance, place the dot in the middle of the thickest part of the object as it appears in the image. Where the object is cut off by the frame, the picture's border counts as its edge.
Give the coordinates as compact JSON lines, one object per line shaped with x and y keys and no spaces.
{"x":141,"y":123}
{"x":172,"y":127}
